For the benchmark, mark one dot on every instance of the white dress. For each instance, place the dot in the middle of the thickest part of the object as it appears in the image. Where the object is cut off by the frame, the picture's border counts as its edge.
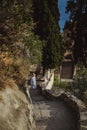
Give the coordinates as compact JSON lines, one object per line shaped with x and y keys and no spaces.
{"x":33,"y":82}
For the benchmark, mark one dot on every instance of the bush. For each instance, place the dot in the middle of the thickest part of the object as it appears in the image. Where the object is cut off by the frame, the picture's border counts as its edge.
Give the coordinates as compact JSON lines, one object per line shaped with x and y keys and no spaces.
{"x":34,"y":45}
{"x":81,"y":80}
{"x":61,"y":84}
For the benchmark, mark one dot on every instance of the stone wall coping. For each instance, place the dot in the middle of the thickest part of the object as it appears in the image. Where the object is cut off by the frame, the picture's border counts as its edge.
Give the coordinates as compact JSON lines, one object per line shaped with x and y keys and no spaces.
{"x":73,"y":102}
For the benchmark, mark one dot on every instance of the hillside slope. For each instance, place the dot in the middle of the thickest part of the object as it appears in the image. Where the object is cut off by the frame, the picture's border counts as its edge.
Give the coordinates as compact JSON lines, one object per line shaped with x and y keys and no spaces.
{"x":15,"y":111}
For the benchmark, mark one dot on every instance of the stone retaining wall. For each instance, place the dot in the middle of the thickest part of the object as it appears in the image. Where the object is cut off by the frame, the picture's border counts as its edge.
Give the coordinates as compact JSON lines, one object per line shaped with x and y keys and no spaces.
{"x":47,"y":80}
{"x":76,"y":104}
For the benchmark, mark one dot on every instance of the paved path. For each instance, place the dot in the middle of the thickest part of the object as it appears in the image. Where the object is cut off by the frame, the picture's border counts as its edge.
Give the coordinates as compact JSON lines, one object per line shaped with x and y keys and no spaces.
{"x":52,"y":115}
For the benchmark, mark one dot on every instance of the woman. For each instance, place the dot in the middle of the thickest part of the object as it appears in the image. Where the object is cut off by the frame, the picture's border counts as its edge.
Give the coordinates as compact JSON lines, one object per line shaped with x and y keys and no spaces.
{"x":33,"y":81}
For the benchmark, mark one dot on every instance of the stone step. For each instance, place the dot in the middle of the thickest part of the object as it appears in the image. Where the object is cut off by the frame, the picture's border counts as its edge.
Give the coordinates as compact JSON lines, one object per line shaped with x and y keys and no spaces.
{"x":67,"y":70}
{"x":36,"y":96}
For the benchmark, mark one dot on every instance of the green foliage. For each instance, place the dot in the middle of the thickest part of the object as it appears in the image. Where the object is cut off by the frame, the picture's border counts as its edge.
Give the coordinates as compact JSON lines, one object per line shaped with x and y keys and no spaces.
{"x":67,"y":86}
{"x":56,"y":81}
{"x":81,"y":78}
{"x":34,"y":44}
{"x":53,"y":6}
{"x":15,"y":20}
{"x":77,"y":24}
{"x":48,"y":29}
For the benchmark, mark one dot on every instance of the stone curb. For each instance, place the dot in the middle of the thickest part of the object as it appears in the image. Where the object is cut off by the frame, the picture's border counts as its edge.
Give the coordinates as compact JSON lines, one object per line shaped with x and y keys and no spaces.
{"x":73,"y":102}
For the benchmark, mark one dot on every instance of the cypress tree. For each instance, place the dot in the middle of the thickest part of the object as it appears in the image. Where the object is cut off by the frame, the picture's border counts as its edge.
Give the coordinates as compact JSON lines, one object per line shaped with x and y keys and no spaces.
{"x":48,"y":30}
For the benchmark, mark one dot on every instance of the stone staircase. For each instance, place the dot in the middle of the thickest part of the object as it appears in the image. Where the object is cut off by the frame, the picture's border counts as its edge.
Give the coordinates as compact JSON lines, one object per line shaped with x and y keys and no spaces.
{"x":52,"y":114}
{"x":67,"y":70}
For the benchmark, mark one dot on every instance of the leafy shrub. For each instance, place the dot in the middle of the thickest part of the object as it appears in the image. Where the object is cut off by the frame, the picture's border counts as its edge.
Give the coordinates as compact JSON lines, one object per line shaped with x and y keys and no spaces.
{"x":81,"y":79}
{"x":34,"y":45}
{"x":66,"y":85}
{"x":61,"y":84}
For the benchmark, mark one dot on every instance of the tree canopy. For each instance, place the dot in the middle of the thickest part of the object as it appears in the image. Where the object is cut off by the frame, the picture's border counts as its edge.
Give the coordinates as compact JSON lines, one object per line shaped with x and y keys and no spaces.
{"x":48,"y":29}
{"x":77,"y":24}
{"x":21,"y":22}
{"x":14,"y":19}
{"x":16,"y":26}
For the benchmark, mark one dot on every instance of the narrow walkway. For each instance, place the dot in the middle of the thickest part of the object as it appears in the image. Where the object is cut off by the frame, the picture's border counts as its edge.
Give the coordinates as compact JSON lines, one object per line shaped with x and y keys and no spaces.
{"x":52,"y":115}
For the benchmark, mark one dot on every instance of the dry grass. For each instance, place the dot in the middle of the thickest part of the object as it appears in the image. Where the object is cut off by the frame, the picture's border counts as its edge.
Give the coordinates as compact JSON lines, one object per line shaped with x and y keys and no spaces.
{"x":1,"y":98}
{"x":2,"y":85}
{"x":14,"y":66}
{"x":7,"y":83}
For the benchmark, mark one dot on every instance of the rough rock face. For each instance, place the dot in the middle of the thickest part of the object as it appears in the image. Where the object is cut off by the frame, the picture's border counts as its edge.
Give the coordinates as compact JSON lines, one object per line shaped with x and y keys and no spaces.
{"x":15,"y":110}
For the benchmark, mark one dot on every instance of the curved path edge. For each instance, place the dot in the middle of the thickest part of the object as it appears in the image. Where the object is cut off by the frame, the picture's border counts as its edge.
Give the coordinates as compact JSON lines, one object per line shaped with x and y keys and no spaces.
{"x":73,"y":102}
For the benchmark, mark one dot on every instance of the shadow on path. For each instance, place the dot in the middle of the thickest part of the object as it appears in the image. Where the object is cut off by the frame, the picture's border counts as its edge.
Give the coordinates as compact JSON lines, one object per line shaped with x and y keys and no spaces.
{"x":62,"y":117}
{"x":52,"y":115}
